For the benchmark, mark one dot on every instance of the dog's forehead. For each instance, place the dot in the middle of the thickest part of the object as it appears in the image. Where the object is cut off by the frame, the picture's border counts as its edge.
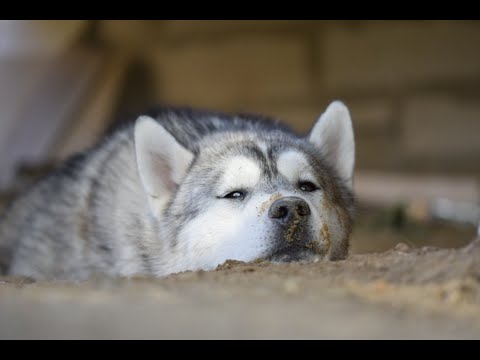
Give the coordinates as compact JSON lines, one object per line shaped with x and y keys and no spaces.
{"x":247,"y":161}
{"x":241,"y":171}
{"x":294,"y":165}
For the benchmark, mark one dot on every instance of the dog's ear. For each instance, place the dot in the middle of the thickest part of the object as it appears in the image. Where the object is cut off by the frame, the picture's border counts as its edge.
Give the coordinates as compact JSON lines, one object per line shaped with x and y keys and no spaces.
{"x":333,"y":135}
{"x":162,"y":162}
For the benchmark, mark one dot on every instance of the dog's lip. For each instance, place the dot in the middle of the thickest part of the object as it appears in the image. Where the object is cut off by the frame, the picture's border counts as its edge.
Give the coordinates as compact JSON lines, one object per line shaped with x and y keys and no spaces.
{"x":291,"y":253}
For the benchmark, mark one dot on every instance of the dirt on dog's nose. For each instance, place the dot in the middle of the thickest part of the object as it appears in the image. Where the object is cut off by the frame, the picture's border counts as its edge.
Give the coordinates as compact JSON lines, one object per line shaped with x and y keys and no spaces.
{"x":288,"y":209}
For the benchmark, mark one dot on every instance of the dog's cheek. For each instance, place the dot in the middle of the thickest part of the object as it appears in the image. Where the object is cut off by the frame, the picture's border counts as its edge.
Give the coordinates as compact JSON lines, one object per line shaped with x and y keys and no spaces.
{"x":335,"y":231}
{"x":211,"y":237}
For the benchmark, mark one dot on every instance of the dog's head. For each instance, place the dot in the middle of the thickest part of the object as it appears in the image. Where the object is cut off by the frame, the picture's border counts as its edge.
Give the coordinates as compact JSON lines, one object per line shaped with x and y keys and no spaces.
{"x":246,"y":195}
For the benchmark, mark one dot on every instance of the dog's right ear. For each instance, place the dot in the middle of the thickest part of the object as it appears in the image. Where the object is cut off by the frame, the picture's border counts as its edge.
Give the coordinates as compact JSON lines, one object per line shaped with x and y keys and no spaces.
{"x":333,"y":135}
{"x":162,"y":162}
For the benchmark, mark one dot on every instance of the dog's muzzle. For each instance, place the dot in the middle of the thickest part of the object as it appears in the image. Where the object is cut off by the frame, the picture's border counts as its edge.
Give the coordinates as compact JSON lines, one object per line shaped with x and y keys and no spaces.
{"x":291,"y":214}
{"x":288,"y":210}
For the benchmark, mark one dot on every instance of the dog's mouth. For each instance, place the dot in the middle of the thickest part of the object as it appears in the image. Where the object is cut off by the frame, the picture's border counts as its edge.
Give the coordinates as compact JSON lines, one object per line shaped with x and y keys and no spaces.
{"x":292,"y":253}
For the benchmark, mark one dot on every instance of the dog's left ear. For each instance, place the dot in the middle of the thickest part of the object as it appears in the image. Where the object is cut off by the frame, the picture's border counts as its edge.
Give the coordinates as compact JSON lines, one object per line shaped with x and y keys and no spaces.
{"x":162,"y":162}
{"x":333,"y":136}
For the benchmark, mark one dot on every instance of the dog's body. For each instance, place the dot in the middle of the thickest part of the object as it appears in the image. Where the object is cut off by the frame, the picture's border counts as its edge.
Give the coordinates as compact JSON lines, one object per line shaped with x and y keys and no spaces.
{"x":186,"y":191}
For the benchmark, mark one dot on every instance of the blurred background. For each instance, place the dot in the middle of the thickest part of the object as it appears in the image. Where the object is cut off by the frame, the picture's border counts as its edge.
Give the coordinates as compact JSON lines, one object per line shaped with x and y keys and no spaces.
{"x":413,"y":88}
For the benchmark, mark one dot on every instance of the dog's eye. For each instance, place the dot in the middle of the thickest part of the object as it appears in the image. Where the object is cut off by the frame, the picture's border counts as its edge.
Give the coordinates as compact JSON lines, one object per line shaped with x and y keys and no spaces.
{"x":237,"y":194}
{"x":307,"y":186}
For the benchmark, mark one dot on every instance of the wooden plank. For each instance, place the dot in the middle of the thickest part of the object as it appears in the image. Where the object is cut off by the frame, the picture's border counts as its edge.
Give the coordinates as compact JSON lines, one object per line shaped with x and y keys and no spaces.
{"x":387,"y":188}
{"x":47,"y":109}
{"x":96,"y":113}
{"x":445,"y":197}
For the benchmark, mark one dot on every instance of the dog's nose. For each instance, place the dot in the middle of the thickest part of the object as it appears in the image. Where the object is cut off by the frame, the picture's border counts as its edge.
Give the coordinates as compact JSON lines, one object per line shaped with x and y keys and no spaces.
{"x":288,"y":208}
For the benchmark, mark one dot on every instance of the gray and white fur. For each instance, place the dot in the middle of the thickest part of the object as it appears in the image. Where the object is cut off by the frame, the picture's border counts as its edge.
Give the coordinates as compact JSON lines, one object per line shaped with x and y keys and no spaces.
{"x":185,"y":190}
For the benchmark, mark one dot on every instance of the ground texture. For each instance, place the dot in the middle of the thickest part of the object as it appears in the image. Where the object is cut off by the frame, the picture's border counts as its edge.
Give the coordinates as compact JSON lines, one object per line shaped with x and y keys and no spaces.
{"x":404,"y":292}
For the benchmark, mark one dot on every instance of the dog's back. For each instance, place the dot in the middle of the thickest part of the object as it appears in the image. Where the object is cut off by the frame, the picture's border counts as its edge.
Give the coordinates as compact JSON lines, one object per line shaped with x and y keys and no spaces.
{"x":43,"y":233}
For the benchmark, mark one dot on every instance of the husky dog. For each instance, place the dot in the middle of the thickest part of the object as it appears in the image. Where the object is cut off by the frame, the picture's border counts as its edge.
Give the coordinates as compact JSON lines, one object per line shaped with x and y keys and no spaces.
{"x":186,"y":190}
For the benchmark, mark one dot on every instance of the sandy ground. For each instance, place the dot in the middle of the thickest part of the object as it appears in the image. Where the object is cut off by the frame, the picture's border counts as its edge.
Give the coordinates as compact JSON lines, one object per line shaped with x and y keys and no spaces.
{"x":405,"y":292}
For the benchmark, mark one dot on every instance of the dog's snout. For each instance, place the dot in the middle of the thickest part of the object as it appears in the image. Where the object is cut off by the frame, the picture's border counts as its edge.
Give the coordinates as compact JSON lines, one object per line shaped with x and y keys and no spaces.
{"x":288,"y":208}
